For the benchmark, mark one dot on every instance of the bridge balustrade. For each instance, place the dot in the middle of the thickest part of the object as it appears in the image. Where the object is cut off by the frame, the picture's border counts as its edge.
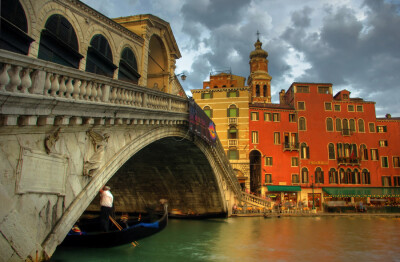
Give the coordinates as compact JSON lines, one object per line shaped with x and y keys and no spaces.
{"x":256,"y":201}
{"x":23,"y":75}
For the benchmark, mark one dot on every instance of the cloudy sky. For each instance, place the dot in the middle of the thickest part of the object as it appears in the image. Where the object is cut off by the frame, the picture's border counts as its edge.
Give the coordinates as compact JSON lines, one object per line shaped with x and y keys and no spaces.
{"x":353,"y":44}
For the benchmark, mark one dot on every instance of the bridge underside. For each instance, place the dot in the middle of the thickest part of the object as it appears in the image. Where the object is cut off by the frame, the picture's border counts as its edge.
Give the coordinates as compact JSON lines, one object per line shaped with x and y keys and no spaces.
{"x":171,"y":168}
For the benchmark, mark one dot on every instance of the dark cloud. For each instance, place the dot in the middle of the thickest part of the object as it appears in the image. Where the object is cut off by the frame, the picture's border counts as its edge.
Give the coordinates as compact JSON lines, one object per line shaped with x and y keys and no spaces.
{"x":362,"y":56}
{"x":213,"y":14}
{"x":352,"y":44}
{"x":302,"y":18}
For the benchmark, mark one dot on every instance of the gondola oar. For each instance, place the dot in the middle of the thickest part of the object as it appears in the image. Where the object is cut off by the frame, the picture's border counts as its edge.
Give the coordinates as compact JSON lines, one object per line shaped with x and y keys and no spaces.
{"x":120,"y":229}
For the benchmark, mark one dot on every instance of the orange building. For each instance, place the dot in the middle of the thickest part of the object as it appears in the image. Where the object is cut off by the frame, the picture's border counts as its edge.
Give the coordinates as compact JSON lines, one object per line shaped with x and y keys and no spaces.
{"x":313,"y":146}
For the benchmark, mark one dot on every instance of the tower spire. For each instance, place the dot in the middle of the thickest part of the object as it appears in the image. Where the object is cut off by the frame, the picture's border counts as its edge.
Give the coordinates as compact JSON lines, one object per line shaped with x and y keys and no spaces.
{"x":259,"y":80}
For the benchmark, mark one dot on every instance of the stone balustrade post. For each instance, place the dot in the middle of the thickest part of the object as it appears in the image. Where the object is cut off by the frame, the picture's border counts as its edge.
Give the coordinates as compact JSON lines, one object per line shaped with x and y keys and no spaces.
{"x":106,"y":93}
{"x":144,"y":101}
{"x":38,"y":82}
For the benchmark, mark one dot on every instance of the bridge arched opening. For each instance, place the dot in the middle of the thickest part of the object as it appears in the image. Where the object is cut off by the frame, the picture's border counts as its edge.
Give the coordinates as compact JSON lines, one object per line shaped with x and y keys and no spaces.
{"x":157,"y":69}
{"x":171,"y":168}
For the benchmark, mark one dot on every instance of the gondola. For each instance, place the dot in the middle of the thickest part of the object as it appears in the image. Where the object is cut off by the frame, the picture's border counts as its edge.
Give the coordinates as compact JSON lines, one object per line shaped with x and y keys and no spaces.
{"x":115,"y":237}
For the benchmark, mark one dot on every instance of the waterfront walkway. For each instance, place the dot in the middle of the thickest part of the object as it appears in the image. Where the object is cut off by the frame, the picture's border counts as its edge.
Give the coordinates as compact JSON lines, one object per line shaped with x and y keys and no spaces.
{"x":318,"y":214}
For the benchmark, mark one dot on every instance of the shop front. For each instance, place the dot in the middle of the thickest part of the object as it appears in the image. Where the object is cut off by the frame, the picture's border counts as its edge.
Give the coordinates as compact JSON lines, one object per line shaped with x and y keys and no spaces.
{"x":314,"y":201}
{"x":362,"y":199}
{"x":283,"y":194}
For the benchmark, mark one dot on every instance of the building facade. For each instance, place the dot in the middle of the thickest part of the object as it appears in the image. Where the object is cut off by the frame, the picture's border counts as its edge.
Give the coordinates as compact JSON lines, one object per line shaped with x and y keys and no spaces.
{"x":313,"y":146}
{"x":225,"y":99}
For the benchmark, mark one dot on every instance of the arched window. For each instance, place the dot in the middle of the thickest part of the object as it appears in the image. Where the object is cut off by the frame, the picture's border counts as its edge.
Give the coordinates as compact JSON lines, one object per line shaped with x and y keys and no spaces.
{"x":356,"y":176}
{"x":342,"y":176}
{"x":232,"y":133}
{"x":333,"y":176}
{"x":265,"y":90}
{"x":208,"y":111}
{"x":365,"y":176}
{"x":352,"y":125}
{"x":345,"y":127}
{"x":361,"y":127}
{"x":257,"y":90}
{"x":347,"y":150}
{"x":233,"y":111}
{"x":128,"y":70}
{"x":304,"y":151}
{"x":58,"y":42}
{"x":319,"y":176}
{"x":302,"y":124}
{"x":329,"y":124}
{"x":99,"y":58}
{"x":353,"y":153}
{"x":338,"y":125}
{"x":304,"y":175}
{"x":348,"y":177}
{"x":14,"y":28}
{"x":340,"y":150}
{"x":363,"y":152}
{"x":331,"y":151}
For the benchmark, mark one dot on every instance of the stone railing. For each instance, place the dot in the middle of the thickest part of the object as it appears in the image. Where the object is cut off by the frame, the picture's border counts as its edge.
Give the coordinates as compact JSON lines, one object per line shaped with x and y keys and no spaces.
{"x":230,"y":173}
{"x":26,"y":76}
{"x":255,"y":200}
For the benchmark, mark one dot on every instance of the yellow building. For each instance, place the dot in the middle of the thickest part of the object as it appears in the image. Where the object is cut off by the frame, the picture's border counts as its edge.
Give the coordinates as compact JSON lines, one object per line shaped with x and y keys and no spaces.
{"x":225,"y":99}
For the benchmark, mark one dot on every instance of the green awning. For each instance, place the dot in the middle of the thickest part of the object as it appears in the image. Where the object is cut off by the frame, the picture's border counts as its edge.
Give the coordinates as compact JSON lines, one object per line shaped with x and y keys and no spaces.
{"x":362,"y":191}
{"x":284,"y":188}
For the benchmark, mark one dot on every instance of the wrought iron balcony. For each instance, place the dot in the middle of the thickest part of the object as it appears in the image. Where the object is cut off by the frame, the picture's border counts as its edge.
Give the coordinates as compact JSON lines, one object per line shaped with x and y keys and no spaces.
{"x":349,"y":160}
{"x":289,"y":146}
{"x":347,"y":132}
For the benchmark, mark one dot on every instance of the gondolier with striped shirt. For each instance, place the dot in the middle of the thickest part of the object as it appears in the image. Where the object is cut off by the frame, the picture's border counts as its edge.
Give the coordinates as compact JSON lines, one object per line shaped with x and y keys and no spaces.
{"x":106,"y":203}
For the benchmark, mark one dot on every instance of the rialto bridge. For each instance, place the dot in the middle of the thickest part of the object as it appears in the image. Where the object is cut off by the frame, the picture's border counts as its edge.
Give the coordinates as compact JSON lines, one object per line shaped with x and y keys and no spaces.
{"x":93,"y":102}
{"x":59,"y":146}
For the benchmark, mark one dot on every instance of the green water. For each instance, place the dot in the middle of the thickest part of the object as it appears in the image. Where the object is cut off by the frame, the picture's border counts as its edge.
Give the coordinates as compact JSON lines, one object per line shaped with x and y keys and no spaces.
{"x":259,"y":239}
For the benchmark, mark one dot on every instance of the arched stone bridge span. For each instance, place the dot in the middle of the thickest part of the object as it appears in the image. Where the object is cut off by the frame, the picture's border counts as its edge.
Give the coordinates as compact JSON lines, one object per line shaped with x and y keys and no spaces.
{"x":66,"y":133}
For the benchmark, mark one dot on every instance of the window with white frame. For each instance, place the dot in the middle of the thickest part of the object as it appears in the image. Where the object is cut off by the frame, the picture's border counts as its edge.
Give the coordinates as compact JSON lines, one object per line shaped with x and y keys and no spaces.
{"x":268,"y":161}
{"x":254,"y":116}
{"x":301,"y":105}
{"x":254,"y":137}
{"x":384,"y":161}
{"x":295,"y":161}
{"x":277,"y":138}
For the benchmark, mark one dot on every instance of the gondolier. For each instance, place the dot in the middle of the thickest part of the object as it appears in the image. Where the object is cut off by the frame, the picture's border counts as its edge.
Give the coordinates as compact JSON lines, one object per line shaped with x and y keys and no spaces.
{"x":106,"y":203}
{"x":93,"y":237}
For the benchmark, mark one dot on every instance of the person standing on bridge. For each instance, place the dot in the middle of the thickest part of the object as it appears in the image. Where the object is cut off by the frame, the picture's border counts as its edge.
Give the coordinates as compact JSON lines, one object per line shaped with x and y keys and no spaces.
{"x":106,"y":203}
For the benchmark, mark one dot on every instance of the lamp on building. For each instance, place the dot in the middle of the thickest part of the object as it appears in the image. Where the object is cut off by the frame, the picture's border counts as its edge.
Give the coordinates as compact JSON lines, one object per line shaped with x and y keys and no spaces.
{"x":312,"y":186}
{"x":175,"y":77}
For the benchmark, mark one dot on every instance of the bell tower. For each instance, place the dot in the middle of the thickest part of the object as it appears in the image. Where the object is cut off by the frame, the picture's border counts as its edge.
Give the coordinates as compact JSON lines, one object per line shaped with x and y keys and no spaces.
{"x":259,"y":80}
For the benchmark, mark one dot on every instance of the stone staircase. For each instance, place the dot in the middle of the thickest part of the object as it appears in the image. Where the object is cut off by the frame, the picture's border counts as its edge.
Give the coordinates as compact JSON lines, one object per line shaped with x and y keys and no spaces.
{"x":250,"y":201}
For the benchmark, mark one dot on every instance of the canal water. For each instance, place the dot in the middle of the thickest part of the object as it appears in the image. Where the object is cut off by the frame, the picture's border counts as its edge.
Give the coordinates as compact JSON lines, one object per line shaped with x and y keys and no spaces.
{"x":336,"y":238}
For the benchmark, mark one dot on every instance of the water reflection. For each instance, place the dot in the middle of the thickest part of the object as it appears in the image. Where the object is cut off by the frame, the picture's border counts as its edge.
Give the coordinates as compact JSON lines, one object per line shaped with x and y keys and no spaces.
{"x":260,"y":239}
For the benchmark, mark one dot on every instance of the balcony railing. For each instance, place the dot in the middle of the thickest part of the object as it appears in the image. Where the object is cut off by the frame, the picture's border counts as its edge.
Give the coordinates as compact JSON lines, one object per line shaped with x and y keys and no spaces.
{"x":348,"y":160}
{"x":347,"y":132}
{"x":232,"y":142}
{"x":288,"y":146}
{"x":232,"y":120}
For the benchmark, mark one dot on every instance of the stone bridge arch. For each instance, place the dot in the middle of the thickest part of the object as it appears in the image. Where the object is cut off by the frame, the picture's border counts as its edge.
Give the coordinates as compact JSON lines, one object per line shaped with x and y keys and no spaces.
{"x":161,"y":162}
